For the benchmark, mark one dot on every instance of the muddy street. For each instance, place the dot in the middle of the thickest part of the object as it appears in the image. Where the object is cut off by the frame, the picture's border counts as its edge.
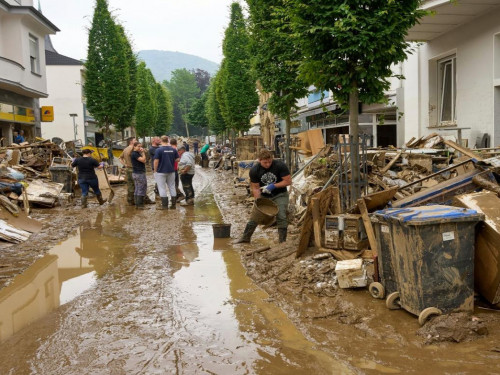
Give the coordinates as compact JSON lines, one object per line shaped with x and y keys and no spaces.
{"x":152,"y":292}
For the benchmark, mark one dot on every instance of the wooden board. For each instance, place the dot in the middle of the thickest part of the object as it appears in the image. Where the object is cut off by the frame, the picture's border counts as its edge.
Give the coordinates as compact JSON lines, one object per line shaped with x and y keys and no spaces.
{"x":22,"y":221}
{"x":463,"y":150}
{"x":391,"y":163}
{"x":43,"y":192}
{"x":368,"y":226}
{"x":316,"y":142}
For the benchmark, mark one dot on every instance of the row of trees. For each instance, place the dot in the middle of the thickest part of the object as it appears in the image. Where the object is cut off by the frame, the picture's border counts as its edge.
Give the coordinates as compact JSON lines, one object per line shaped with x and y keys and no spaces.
{"x":346,"y":47}
{"x":120,"y":91}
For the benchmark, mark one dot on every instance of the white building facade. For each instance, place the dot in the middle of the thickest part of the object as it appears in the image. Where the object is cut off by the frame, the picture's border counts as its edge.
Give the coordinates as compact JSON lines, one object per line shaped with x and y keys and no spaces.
{"x":22,"y":67}
{"x":64,"y":85}
{"x":452,"y":83}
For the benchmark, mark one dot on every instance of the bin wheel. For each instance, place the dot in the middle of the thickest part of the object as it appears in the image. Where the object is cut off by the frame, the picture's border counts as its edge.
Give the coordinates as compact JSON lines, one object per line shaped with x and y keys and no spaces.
{"x":392,"y":301}
{"x":427,"y":313}
{"x":377,"y":290}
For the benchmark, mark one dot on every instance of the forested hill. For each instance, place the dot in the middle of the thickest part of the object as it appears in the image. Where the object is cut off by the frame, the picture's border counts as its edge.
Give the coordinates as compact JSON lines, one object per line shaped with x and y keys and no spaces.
{"x":162,"y":63}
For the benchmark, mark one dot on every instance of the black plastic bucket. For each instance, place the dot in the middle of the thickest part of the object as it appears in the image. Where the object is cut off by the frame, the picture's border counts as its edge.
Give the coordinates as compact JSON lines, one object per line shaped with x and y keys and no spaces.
{"x":222,"y":230}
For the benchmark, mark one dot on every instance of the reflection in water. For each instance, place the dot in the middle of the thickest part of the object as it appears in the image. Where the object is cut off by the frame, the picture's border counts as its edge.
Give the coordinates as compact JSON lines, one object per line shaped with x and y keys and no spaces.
{"x":69,"y":269}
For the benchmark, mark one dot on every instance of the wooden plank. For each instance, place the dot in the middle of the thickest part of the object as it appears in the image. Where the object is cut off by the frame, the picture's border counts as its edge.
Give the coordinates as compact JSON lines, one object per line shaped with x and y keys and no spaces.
{"x":316,"y":142}
{"x":463,"y":150}
{"x":305,"y":233}
{"x":316,"y":220}
{"x":368,"y":226}
{"x":391,"y":163}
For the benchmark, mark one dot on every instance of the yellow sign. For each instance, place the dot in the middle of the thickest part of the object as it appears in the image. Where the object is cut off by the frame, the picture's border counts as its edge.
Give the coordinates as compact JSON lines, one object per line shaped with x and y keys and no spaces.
{"x":47,"y":113}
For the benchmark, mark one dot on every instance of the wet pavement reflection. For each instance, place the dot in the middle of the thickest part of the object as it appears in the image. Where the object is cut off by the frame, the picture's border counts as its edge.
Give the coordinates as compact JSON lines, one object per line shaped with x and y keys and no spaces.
{"x":118,"y":304}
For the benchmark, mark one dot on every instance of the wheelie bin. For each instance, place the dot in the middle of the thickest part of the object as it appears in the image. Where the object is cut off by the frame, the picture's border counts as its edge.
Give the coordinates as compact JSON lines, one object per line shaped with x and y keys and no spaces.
{"x":432,"y":256}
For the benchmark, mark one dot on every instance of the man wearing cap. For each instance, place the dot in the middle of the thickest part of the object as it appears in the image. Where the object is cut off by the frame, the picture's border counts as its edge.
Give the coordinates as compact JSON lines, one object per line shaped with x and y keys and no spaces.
{"x":126,"y":160}
{"x":87,"y":177}
{"x":186,"y":173}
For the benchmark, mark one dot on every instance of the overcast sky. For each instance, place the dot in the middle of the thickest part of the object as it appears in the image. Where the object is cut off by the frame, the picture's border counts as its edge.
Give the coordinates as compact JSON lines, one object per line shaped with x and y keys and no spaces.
{"x":190,"y":26}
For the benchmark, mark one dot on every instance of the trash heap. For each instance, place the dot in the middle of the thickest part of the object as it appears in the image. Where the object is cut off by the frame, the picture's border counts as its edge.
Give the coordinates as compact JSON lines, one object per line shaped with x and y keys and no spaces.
{"x":410,"y":237}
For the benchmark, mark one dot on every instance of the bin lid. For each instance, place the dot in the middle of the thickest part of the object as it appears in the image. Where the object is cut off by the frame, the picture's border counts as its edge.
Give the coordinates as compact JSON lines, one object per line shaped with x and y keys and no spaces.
{"x":429,"y":214}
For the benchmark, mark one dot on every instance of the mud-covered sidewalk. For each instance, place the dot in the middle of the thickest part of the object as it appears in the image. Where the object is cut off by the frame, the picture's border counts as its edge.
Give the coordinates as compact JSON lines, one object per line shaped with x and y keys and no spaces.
{"x":153,"y":305}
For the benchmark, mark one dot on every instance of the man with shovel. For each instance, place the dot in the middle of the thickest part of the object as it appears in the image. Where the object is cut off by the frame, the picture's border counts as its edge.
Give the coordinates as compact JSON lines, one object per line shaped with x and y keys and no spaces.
{"x":269,"y":179}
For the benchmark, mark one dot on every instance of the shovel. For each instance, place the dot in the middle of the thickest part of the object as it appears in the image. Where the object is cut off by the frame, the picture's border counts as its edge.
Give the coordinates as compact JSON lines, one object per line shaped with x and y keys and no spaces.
{"x":111,"y":191}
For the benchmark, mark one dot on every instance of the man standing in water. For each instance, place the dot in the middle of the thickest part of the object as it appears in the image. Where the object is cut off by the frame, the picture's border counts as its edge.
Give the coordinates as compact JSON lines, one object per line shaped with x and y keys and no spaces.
{"x":269,"y":179}
{"x":164,"y":172}
{"x":127,"y":163}
{"x":186,"y":172}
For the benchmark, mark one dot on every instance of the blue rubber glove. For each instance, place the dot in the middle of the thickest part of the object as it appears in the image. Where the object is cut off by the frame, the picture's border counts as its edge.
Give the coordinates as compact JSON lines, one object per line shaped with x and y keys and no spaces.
{"x":269,"y":188}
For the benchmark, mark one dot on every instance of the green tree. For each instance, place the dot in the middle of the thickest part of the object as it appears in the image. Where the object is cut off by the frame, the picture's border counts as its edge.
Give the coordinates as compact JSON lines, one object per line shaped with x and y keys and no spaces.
{"x":238,"y":85}
{"x":202,"y":78}
{"x":165,"y":111}
{"x":126,"y":117}
{"x":349,"y":46}
{"x":275,"y":59}
{"x":145,"y":113}
{"x":213,"y":113}
{"x":197,"y":115}
{"x":107,"y":78}
{"x":184,"y":91}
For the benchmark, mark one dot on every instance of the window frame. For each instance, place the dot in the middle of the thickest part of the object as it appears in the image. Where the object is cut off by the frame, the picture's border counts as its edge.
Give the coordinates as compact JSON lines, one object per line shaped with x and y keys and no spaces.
{"x":34,"y":52}
{"x":441,"y":83}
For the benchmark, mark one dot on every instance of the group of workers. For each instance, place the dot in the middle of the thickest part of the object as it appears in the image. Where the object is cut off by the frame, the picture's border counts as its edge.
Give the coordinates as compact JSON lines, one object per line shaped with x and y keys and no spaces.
{"x":269,"y":178}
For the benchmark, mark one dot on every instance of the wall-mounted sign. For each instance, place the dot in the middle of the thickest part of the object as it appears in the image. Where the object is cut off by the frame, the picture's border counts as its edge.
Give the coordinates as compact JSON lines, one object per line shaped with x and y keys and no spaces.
{"x":47,"y":113}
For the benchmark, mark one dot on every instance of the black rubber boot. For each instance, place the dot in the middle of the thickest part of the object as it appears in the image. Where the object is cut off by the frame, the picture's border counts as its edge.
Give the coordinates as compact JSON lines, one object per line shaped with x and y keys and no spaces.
{"x":100,"y":200}
{"x":282,"y":234}
{"x":84,"y":202}
{"x":247,"y":234}
{"x":172,"y":203}
{"x":140,"y":203}
{"x":136,"y":204}
{"x":164,"y":204}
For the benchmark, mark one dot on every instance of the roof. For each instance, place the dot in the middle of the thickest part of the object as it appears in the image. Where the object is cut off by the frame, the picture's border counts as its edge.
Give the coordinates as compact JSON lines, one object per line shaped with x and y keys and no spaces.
{"x":29,"y":9}
{"x":54,"y":58}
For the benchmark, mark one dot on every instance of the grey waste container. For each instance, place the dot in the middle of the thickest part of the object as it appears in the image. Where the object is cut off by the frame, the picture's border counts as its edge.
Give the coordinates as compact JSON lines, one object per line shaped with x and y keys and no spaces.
{"x":432,"y":256}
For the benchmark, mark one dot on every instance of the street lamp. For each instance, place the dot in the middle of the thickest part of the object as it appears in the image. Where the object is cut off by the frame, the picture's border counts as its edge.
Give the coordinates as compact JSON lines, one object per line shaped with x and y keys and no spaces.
{"x":74,"y":123}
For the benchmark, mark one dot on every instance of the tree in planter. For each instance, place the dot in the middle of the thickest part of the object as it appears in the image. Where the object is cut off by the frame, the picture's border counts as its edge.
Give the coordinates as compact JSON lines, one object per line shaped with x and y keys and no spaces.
{"x":107,"y":77}
{"x":184,"y":91}
{"x":275,"y":59}
{"x":145,"y":114}
{"x":125,"y":119}
{"x":349,"y":47}
{"x":238,"y":86}
{"x":165,"y":115}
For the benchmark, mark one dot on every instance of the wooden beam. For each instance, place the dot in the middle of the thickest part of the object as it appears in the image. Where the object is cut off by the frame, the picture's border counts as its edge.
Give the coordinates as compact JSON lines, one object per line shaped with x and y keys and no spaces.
{"x":463,"y":150}
{"x":315,"y":203}
{"x":368,"y":226}
{"x":391,"y":163}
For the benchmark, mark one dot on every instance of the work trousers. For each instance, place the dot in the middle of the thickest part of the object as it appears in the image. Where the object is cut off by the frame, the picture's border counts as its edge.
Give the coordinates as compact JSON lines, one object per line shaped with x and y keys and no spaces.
{"x":204,"y":156}
{"x":166,"y":181}
{"x":141,"y":184}
{"x":281,"y":200}
{"x":85,"y":184}
{"x":130,"y":185}
{"x":187,"y":185}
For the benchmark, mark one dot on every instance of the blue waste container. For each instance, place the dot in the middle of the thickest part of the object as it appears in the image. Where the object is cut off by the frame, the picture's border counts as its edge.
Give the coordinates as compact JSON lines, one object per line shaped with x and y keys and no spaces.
{"x":432,"y":258}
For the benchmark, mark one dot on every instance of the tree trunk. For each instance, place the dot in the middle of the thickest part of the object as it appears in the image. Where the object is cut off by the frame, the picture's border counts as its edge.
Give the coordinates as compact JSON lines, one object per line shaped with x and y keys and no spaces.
{"x":287,"y":143}
{"x":354,"y":135}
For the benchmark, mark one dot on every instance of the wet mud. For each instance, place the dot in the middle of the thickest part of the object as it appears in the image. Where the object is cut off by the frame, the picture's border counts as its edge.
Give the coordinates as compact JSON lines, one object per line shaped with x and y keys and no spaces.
{"x":112,"y":290}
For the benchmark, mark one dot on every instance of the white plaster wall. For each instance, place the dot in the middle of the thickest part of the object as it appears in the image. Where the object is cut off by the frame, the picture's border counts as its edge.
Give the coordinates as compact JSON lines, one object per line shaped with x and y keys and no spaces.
{"x":65,"y":95}
{"x":473,"y":45}
{"x":410,"y":107}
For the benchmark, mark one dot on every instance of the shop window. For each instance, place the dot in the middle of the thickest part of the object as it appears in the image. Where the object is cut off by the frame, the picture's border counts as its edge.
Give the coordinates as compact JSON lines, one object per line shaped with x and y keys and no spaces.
{"x":34,"y":55}
{"x":447,"y":91}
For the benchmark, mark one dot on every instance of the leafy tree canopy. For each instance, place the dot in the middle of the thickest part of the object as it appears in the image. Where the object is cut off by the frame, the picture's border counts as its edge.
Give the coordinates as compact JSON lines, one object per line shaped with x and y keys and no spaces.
{"x":165,"y":115}
{"x":202,"y":78}
{"x":184,"y":92}
{"x":213,"y":113}
{"x":146,"y":109}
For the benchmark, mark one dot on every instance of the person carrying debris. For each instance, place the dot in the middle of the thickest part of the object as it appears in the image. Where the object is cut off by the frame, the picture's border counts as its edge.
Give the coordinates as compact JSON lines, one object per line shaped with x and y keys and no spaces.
{"x":87,"y":177}
{"x":138,"y":158}
{"x":164,"y":172}
{"x":127,"y":163}
{"x":186,"y":172}
{"x":269,"y":179}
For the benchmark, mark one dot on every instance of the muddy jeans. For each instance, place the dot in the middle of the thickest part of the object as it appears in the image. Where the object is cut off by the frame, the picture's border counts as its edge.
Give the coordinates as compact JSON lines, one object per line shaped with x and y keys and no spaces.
{"x":187,"y":185}
{"x":141,"y":184}
{"x":86,"y":184}
{"x":281,"y":200}
{"x":130,"y":185}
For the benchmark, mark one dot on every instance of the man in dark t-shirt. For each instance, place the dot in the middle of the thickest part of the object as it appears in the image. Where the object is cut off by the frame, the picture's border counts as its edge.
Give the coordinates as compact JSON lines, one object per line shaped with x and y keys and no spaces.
{"x":269,"y":179}
{"x":164,"y":172}
{"x":87,"y":177}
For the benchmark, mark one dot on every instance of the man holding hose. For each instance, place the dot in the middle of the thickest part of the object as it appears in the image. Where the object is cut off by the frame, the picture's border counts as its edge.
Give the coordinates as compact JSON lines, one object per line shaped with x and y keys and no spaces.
{"x":269,"y":179}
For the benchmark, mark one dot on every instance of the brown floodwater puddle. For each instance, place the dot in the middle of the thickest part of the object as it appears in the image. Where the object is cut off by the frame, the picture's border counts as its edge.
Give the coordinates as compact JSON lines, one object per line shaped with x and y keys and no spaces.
{"x":221,"y":321}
